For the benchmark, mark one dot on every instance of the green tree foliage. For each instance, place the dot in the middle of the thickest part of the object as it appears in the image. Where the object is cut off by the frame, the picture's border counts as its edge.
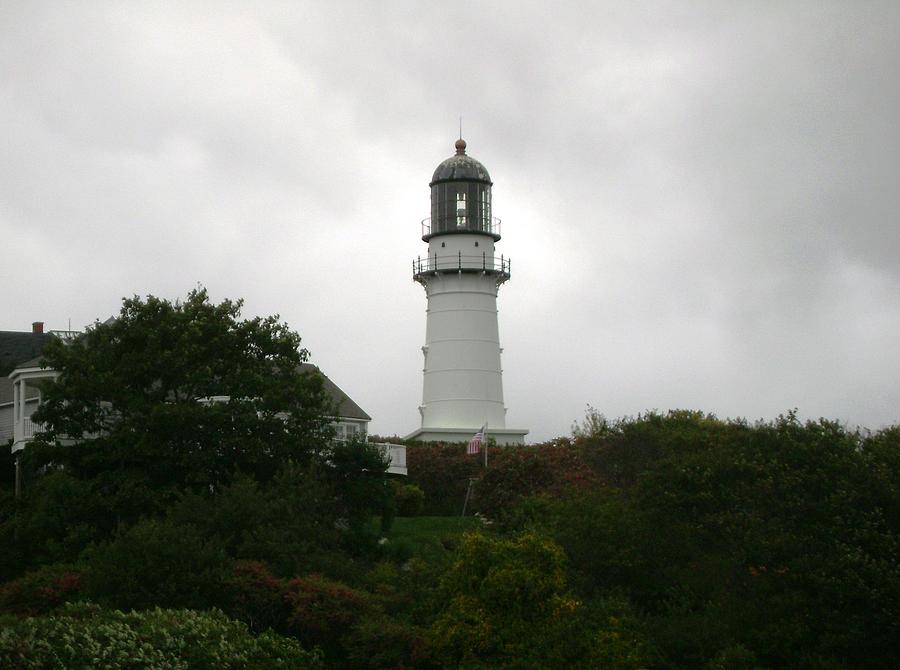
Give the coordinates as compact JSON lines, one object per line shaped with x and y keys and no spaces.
{"x":180,"y":394}
{"x":85,"y":636}
{"x":56,"y":519}
{"x":506,"y":605}
{"x":409,"y":499}
{"x":776,"y":539}
{"x":356,"y":470}
{"x":171,"y":403}
{"x":290,"y":522}
{"x":156,"y":562}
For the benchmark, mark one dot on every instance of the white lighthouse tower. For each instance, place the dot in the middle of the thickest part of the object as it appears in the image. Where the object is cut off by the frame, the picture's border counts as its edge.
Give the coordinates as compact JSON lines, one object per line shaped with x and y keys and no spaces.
{"x":463,"y":381}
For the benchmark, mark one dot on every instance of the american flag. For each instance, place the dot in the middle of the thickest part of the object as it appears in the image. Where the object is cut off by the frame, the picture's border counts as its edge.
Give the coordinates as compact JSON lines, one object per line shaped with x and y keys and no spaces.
{"x":475,"y":443}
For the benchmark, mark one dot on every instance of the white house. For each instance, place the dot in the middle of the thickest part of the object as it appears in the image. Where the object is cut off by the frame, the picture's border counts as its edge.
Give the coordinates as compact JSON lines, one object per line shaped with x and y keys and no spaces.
{"x":20,"y":395}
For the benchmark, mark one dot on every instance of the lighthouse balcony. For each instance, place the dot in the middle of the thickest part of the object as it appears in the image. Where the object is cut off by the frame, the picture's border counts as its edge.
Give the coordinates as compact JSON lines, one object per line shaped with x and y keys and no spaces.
{"x":461,"y":223}
{"x":497,"y":266}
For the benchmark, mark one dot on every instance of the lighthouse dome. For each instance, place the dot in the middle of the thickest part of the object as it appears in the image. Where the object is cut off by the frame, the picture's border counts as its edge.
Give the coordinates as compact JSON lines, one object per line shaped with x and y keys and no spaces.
{"x":460,"y":167}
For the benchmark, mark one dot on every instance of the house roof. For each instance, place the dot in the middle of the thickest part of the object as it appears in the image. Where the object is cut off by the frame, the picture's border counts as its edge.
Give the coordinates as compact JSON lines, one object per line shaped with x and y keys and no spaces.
{"x":16,"y":347}
{"x":346,"y":407}
{"x":30,"y":363}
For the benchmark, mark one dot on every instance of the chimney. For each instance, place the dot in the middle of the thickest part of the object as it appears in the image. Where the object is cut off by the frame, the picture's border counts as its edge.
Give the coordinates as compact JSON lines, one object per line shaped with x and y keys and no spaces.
{"x":37,"y":328}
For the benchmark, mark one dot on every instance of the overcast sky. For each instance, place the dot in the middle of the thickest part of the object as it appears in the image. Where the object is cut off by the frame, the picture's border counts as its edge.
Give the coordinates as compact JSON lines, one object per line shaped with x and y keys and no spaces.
{"x":700,"y":200}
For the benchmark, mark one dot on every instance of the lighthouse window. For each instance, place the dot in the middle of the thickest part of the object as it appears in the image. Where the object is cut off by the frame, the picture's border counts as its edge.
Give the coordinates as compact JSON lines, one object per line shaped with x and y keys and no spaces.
{"x":485,"y":211}
{"x":460,"y":210}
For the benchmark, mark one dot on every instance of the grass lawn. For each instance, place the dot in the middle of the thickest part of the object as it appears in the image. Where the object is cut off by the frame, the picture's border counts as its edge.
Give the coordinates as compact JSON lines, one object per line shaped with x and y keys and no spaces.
{"x":424,"y":535}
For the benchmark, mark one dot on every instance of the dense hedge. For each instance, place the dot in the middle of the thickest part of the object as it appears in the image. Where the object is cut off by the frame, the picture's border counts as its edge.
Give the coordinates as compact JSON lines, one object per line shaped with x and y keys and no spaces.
{"x":443,"y":472}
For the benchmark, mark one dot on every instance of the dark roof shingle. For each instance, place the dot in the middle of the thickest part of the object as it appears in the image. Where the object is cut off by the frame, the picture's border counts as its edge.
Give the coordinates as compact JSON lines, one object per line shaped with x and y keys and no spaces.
{"x":346,"y":407}
{"x":16,"y":347}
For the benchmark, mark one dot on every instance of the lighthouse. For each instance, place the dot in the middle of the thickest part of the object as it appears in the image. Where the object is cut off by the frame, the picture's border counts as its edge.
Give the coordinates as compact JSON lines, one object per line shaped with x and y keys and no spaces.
{"x":462,"y":388}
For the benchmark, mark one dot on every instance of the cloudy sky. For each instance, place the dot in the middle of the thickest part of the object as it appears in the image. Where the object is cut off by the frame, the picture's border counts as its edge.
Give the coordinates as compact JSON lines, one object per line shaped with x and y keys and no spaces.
{"x":700,"y":199}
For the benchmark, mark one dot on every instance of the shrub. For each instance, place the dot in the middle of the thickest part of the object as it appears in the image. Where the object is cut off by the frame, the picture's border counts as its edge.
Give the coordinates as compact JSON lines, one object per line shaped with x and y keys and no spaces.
{"x":516,"y":473}
{"x":410,"y":499}
{"x":324,"y":611}
{"x":380,"y":643}
{"x":256,"y":597}
{"x":40,"y":591}
{"x":730,"y":536}
{"x":85,"y":636}
{"x":505,"y":606}
{"x":156,"y":562}
{"x":53,"y":521}
{"x":442,"y":471}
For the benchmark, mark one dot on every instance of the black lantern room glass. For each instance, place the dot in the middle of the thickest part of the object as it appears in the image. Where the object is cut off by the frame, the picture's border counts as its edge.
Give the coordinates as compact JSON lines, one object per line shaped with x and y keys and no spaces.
{"x":461,"y":196}
{"x":460,"y":206}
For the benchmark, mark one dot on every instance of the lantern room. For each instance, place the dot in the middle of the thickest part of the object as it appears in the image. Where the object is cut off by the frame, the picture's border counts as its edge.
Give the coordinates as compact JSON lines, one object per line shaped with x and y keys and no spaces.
{"x":460,"y":198}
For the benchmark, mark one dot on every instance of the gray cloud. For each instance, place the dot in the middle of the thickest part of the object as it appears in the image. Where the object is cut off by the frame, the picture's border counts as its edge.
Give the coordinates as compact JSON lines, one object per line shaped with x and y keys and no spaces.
{"x":699,"y":199}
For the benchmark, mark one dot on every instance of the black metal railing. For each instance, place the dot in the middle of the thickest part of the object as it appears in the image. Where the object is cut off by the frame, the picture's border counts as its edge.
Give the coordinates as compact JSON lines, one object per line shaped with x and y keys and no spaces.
{"x":496,"y":265}
{"x":461,"y":224}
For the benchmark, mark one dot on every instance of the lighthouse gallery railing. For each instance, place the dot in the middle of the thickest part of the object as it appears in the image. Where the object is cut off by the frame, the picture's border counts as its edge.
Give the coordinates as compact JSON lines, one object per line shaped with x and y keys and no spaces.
{"x":462,"y":263}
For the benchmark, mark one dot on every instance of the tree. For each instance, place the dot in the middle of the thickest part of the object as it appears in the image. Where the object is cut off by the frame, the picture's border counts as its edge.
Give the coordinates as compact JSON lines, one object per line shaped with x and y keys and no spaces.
{"x":775,"y":541}
{"x":506,"y":605}
{"x":180,"y":395}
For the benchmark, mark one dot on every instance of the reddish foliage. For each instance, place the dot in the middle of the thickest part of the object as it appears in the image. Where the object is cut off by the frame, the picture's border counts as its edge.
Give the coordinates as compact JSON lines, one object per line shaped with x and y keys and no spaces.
{"x":257,"y":597}
{"x":442,"y":471}
{"x":40,"y":591}
{"x":324,"y":610}
{"x":513,"y":473}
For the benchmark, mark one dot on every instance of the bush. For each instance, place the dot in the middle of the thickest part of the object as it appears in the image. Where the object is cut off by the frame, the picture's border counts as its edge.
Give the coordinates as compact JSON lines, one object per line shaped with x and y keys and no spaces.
{"x":156,"y":563}
{"x":289,"y":522}
{"x":40,"y":591}
{"x":443,"y":473}
{"x":380,"y":643}
{"x":323,"y":612}
{"x":410,"y":499}
{"x":729,"y":536}
{"x":256,"y":597}
{"x":505,"y":605}
{"x":85,"y":636}
{"x":55,"y":519}
{"x":515,"y":473}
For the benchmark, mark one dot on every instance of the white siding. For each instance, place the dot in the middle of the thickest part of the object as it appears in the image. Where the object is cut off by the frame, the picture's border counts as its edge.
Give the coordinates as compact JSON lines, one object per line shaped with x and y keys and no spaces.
{"x":6,"y":423}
